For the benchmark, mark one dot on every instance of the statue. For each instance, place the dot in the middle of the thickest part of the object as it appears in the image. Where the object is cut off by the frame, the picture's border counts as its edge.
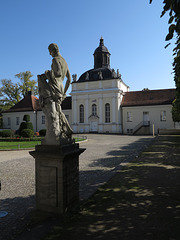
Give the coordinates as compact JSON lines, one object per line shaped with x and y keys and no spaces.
{"x":118,"y":74}
{"x":87,"y":76}
{"x":113,"y":73}
{"x":74,"y":76}
{"x":51,"y":95}
{"x":100,"y":76}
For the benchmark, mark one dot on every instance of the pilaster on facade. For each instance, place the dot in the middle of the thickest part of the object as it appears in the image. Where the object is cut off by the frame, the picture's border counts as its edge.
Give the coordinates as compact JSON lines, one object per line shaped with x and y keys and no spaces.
{"x":114,"y":109}
{"x":100,"y":110}
{"x":86,"y":111}
{"x":100,"y":84}
{"x":74,"y":110}
{"x":87,"y":85}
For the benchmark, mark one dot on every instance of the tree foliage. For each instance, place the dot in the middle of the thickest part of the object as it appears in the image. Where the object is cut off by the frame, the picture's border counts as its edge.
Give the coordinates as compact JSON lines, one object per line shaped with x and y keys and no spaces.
{"x":26,"y":84}
{"x":11,"y":93}
{"x":173,"y":7}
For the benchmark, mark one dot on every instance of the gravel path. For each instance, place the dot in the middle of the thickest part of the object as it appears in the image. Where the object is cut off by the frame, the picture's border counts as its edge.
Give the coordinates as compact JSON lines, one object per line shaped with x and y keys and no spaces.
{"x":102,"y":158}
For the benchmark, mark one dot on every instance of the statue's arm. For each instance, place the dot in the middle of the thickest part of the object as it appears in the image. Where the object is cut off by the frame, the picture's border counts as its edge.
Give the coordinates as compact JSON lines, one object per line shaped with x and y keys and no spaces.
{"x":68,"y":75}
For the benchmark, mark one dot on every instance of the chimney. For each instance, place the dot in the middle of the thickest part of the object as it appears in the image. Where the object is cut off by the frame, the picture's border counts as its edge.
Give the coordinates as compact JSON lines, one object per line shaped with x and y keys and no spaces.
{"x":29,"y":93}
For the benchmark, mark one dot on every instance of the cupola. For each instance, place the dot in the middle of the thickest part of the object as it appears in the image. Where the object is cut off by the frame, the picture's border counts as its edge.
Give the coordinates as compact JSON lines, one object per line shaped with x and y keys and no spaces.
{"x":101,"y":56}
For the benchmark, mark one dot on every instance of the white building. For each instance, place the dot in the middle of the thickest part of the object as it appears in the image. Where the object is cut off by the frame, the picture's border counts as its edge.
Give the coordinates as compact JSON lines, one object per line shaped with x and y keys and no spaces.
{"x":101,"y":102}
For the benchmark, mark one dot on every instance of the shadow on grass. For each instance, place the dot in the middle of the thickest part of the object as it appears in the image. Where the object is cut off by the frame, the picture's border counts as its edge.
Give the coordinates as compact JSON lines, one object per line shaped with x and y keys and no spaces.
{"x":142,"y":201}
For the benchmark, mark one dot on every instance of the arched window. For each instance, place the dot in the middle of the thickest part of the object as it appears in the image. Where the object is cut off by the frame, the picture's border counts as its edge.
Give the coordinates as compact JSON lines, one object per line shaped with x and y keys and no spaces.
{"x":94,"y":110}
{"x":81,"y":113}
{"x":107,"y":113}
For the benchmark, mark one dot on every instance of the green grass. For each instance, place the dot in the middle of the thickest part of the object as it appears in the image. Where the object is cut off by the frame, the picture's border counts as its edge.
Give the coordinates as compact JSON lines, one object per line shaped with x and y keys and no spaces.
{"x":23,"y":144}
{"x":18,"y":145}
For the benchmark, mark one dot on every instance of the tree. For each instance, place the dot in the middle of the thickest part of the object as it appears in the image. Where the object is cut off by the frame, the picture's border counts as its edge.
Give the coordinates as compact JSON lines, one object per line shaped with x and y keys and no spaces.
{"x":175,"y":113}
{"x":26,"y":84}
{"x":173,"y":7}
{"x":11,"y":93}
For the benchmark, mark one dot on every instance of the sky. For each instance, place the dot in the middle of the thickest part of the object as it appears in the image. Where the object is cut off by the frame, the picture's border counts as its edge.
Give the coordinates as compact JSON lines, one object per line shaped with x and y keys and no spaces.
{"x":132,"y":30}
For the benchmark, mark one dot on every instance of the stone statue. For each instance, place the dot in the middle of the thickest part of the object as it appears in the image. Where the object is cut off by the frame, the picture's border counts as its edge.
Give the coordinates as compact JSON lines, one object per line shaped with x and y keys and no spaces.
{"x":87,"y":76}
{"x":118,"y":74}
{"x":74,"y":76}
{"x":51,"y":95}
{"x":100,"y":76}
{"x":113,"y":73}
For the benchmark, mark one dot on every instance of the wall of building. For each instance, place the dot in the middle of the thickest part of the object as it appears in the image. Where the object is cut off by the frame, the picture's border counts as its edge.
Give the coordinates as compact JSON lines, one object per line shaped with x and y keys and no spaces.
{"x":13,"y":120}
{"x":36,"y":117}
{"x":154,"y":117}
{"x":100,"y":100}
{"x":99,"y":93}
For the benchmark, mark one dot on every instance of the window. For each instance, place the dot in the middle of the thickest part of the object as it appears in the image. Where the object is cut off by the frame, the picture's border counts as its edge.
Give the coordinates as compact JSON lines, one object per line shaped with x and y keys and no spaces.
{"x":163,"y":116}
{"x":107,"y":113}
{"x":94,"y":110}
{"x":9,"y":121}
{"x":17,"y":120}
{"x":81,"y":113}
{"x":43,"y":119}
{"x":129,"y":116}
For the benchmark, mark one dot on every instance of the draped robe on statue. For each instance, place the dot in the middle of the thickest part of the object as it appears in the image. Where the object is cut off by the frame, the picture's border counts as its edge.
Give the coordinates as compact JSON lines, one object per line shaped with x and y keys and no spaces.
{"x":51,"y":95}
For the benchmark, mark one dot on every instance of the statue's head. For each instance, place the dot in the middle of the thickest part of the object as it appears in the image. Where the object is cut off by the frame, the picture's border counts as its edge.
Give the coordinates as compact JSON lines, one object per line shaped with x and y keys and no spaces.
{"x":53,"y":48}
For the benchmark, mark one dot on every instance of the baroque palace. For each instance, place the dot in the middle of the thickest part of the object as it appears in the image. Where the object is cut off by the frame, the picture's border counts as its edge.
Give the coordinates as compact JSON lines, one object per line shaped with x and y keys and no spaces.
{"x":101,"y":102}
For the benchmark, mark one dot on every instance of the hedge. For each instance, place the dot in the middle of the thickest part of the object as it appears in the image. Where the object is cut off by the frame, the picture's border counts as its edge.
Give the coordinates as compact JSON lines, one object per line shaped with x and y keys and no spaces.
{"x":6,"y":133}
{"x":25,"y":125}
{"x":42,"y":132}
{"x":27,"y":133}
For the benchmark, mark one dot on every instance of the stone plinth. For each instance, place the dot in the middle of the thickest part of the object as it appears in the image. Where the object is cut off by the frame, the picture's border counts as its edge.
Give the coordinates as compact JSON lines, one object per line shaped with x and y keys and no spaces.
{"x":57,"y":177}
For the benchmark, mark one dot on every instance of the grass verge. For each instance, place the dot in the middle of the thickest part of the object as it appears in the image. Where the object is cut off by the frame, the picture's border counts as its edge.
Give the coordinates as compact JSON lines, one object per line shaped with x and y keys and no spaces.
{"x":8,"y":145}
{"x":18,"y":145}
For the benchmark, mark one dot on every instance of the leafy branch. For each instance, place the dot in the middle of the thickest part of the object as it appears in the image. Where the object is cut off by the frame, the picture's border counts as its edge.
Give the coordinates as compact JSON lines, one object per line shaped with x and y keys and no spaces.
{"x":173,"y":7}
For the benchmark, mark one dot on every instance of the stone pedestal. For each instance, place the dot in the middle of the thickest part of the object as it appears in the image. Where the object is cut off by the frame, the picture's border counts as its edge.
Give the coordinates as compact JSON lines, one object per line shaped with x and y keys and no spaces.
{"x":57,"y":177}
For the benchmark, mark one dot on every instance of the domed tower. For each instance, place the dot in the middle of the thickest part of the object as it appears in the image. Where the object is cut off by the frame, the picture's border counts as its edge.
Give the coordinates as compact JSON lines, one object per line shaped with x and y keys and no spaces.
{"x":101,"y":56}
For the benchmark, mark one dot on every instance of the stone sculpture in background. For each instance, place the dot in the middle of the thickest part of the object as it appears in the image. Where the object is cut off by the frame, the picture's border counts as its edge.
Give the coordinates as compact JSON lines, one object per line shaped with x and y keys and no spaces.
{"x":51,"y":95}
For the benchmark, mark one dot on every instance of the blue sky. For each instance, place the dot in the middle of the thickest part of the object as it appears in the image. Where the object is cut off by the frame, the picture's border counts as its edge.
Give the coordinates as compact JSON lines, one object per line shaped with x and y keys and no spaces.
{"x":132,"y":30}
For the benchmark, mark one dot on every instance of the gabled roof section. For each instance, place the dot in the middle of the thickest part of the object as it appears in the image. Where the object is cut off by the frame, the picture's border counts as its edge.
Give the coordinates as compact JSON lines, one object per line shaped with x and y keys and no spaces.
{"x":148,"y":97}
{"x":31,"y":103}
{"x":28,"y":103}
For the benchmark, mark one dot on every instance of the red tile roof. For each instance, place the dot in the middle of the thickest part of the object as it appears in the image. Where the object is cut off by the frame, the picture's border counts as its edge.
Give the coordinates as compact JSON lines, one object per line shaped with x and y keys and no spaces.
{"x":148,"y":97}
{"x":28,"y":103}
{"x":31,"y":103}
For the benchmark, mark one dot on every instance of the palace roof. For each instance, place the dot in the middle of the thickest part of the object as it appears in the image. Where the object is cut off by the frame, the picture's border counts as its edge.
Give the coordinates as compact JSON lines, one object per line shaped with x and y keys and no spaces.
{"x":148,"y":97}
{"x":31,"y":103}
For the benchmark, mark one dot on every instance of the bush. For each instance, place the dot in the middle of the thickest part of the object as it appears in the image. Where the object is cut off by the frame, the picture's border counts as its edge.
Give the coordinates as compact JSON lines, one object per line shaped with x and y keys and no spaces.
{"x":26,"y":118}
{"x":6,"y":133}
{"x":25,"y":125}
{"x":27,"y":133}
{"x":42,"y":132}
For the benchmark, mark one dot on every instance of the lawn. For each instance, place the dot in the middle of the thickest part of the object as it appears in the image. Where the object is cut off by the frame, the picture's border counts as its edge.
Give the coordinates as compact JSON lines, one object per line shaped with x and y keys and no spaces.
{"x":18,"y":145}
{"x":7,"y":145}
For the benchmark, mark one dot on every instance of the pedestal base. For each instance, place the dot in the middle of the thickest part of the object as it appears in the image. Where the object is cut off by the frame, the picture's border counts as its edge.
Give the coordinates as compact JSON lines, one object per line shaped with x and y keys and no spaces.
{"x":57,"y":177}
